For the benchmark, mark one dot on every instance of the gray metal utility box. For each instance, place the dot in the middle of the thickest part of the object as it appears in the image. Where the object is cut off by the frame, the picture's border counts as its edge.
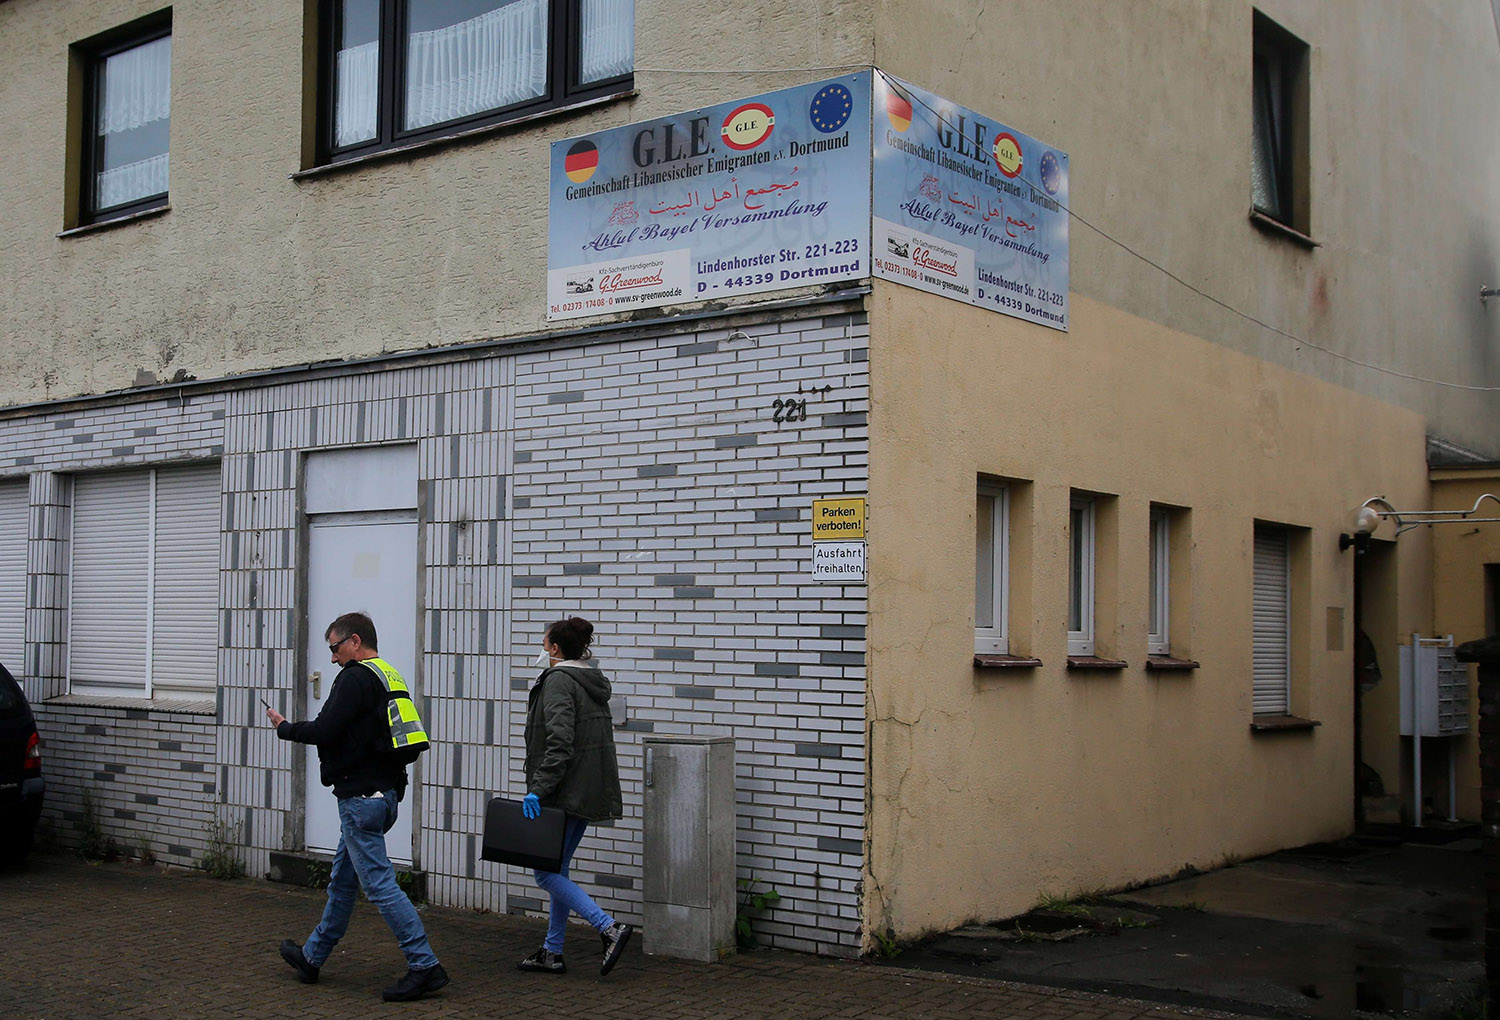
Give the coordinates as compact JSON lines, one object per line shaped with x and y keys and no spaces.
{"x":688,"y":845}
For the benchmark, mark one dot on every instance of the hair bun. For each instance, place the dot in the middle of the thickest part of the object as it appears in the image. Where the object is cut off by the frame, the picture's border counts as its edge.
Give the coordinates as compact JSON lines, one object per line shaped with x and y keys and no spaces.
{"x":584,"y":628}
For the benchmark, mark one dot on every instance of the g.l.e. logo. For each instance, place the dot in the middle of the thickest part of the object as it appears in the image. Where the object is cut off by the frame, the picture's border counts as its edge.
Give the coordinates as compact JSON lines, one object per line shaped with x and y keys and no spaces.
{"x":747,"y":126}
{"x":1008,"y":155}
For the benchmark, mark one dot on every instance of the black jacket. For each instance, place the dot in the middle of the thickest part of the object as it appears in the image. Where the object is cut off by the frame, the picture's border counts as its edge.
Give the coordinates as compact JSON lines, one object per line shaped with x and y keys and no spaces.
{"x":349,"y":732}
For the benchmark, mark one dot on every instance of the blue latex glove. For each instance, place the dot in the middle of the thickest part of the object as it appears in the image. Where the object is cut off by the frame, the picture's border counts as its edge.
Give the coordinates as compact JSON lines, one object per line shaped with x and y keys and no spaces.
{"x":531,"y":806}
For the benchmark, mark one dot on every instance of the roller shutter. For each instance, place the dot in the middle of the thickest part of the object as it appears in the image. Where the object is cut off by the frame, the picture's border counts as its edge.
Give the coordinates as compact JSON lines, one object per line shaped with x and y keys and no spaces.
{"x":144,"y":591}
{"x":1271,"y":622}
{"x":13,"y":530}
{"x":185,"y":589}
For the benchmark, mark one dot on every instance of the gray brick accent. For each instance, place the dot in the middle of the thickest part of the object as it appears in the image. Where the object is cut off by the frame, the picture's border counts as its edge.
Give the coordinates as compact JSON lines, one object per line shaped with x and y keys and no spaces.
{"x":833,"y":845}
{"x":820,"y":750}
{"x":777,"y":669}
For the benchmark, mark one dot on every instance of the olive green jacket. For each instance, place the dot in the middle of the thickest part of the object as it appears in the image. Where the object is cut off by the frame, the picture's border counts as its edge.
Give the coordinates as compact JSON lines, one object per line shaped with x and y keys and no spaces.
{"x":570,"y":743}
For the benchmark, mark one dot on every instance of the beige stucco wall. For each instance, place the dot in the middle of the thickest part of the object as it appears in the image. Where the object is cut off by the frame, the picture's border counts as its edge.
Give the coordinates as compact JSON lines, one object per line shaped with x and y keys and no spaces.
{"x":1151,"y":100}
{"x":989,"y":787}
{"x":1461,"y":607}
{"x":251,"y":270}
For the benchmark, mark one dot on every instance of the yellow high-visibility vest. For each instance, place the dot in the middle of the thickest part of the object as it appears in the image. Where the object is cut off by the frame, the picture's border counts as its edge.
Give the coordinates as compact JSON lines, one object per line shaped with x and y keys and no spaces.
{"x":408,"y":735}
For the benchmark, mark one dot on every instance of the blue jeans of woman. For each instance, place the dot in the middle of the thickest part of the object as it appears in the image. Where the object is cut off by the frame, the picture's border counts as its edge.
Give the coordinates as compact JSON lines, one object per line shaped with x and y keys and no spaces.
{"x":361,"y":862}
{"x":566,"y":896}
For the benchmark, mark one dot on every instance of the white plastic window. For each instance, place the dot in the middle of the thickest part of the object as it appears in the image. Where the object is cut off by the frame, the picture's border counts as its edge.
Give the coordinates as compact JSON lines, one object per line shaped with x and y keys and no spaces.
{"x":991,"y":569}
{"x":1081,"y":576}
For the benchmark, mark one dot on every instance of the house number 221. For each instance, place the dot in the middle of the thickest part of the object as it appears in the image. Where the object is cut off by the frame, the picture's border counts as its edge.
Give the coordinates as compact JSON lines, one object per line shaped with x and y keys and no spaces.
{"x":788,"y":410}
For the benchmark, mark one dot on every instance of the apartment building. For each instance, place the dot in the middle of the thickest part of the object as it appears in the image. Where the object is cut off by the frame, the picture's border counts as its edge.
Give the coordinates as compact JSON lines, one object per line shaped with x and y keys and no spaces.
{"x":960,"y":407}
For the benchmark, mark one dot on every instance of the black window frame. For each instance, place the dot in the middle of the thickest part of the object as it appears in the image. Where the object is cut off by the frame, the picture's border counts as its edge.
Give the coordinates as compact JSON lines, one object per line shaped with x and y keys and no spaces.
{"x":564,"y":68}
{"x":1279,"y":83}
{"x":92,"y":54}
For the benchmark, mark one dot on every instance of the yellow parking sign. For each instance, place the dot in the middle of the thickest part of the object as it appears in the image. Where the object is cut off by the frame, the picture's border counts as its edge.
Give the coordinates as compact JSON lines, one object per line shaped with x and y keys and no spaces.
{"x":838,"y":519}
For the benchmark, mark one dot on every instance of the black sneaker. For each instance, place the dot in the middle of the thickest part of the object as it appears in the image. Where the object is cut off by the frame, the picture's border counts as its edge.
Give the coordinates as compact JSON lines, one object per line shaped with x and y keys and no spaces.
{"x":292,"y":954}
{"x":416,"y":984}
{"x":614,"y":945}
{"x":544,"y":961}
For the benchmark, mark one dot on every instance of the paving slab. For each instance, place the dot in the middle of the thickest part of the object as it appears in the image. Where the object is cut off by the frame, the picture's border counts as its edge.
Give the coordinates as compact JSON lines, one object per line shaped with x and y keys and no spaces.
{"x":98,"y":942}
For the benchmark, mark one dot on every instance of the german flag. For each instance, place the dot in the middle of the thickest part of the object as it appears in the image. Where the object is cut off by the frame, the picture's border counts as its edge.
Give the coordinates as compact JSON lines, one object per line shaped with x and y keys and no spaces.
{"x":897,"y":108}
{"x":581,"y":161}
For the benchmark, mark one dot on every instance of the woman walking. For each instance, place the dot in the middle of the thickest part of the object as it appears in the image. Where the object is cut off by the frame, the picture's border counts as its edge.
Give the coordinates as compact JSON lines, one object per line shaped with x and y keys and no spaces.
{"x":570,"y":764}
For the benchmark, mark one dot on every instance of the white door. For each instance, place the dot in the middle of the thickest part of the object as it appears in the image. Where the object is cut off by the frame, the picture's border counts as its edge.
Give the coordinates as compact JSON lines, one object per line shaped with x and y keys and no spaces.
{"x":362,"y":562}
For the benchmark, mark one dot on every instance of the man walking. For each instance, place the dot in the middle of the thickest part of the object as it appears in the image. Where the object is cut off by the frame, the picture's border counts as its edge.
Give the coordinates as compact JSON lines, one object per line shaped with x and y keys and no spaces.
{"x":352,"y":735}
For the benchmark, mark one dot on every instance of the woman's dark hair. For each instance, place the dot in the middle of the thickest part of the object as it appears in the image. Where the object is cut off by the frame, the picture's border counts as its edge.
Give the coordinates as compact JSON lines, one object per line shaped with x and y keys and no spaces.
{"x":572,"y":636}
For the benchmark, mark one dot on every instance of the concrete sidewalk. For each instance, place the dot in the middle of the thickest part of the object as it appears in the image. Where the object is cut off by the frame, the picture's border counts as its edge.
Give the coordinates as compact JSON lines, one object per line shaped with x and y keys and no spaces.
{"x":96,"y":942}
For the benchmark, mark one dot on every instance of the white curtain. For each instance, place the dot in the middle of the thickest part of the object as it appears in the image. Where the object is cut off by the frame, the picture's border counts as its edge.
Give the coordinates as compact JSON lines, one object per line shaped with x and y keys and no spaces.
{"x":356,"y":93}
{"x":493,"y":60}
{"x":607,"y":30}
{"x":137,"y":87}
{"x":132,"y":181}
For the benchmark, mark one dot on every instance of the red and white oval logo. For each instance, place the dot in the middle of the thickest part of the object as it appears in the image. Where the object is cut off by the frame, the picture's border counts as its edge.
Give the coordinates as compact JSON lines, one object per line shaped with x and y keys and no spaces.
{"x":747,"y":126}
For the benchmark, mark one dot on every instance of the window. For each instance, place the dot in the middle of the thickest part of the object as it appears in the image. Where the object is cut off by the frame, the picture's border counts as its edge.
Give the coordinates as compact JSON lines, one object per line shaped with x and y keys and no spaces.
{"x":399,"y":71}
{"x":13,"y":528}
{"x":126,"y":107}
{"x":1081,"y":577}
{"x":1278,"y":175}
{"x":1158,"y":636}
{"x":1271,"y":622}
{"x":144,"y":588}
{"x":991,"y":569}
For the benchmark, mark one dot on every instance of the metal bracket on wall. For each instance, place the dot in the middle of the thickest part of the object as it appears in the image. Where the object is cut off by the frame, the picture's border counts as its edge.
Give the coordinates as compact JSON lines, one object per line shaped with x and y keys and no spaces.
{"x":1408,"y":519}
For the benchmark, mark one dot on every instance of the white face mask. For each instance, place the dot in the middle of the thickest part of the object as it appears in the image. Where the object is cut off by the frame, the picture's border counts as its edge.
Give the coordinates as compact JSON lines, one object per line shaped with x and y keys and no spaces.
{"x":542,"y":659}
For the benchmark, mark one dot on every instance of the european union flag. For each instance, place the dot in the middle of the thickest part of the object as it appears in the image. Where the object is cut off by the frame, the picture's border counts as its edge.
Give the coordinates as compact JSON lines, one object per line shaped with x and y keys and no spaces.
{"x":1051,"y":173}
{"x":830,"y":108}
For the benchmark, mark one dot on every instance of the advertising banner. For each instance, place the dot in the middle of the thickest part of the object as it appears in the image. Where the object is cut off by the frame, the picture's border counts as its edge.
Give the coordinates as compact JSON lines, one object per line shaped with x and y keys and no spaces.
{"x":966,"y":207}
{"x":760,"y":194}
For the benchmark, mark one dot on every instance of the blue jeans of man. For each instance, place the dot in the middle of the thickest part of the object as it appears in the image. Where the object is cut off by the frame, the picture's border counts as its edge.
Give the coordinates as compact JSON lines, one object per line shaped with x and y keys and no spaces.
{"x":566,"y":896}
{"x":361,"y":862}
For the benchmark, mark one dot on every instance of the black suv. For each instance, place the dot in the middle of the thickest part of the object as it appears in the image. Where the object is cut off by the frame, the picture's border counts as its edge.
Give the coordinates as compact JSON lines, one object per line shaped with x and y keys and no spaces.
{"x":21,"y":784}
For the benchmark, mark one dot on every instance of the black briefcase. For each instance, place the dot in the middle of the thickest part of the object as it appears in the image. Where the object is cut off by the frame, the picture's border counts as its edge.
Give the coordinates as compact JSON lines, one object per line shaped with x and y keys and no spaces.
{"x":512,"y":838}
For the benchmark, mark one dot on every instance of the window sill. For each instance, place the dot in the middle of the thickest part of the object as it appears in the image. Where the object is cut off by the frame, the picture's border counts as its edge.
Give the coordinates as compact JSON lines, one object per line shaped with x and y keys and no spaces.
{"x":417,"y":148}
{"x":1167,"y":664}
{"x":1281,"y":724}
{"x":984,"y":660}
{"x":184,"y":706}
{"x":1275,"y":226}
{"x":1095,"y":662}
{"x":94,"y":228}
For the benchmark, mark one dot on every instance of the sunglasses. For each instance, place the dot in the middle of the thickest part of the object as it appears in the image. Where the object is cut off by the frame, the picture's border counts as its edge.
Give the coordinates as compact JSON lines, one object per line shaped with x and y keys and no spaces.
{"x":334,"y":648}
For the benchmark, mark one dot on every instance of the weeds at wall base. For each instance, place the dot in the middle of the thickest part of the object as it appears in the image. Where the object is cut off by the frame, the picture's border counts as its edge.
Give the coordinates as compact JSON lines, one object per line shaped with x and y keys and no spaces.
{"x":221,"y":858}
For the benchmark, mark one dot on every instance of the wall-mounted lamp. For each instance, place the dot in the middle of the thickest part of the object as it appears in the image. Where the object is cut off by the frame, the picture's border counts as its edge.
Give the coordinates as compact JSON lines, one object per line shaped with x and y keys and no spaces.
{"x":1485,"y":293}
{"x":1363,"y":520}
